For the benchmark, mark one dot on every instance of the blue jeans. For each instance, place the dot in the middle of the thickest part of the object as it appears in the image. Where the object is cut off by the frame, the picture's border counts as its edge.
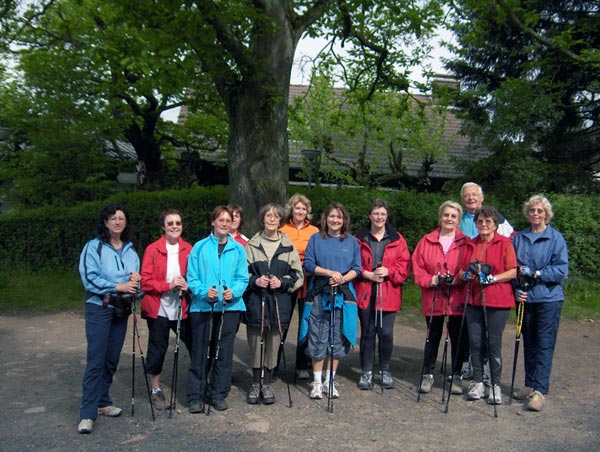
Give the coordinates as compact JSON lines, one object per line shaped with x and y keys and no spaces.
{"x":105,"y":335}
{"x":540,"y":328}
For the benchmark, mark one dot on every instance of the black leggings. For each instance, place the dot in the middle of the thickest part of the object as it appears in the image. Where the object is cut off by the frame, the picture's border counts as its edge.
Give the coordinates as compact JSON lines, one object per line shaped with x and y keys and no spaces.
{"x":368,"y":330}
{"x":460,"y":352}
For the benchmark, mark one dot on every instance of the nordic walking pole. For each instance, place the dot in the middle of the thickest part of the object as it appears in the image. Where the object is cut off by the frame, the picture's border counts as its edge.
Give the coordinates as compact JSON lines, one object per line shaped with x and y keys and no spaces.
{"x":427,"y":338}
{"x":460,"y":332}
{"x":139,"y":341}
{"x":445,"y":352}
{"x":173,"y":400}
{"x":207,"y":367}
{"x":217,"y":350}
{"x":333,"y":291}
{"x":487,"y":339}
{"x":262,"y":342}
{"x":378,"y":313}
{"x":520,"y":313}
{"x":282,"y":349}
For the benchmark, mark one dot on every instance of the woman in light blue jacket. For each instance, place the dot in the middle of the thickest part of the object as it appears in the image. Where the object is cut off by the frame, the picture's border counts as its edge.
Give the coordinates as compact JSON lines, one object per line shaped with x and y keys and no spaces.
{"x":217,"y":277}
{"x":108,"y":266}
{"x":543,"y":262}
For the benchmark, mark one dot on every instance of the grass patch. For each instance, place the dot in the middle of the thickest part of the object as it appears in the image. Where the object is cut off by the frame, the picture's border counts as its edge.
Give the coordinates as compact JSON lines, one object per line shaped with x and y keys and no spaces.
{"x":47,"y":291}
{"x":40,"y":293}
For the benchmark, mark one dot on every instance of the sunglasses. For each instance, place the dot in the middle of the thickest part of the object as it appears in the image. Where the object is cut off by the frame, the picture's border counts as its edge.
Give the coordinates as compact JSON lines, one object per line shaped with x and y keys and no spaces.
{"x":171,"y":223}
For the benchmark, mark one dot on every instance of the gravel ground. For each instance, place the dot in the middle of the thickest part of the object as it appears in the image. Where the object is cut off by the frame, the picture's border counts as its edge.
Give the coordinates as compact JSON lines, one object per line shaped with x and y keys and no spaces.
{"x":43,"y":359}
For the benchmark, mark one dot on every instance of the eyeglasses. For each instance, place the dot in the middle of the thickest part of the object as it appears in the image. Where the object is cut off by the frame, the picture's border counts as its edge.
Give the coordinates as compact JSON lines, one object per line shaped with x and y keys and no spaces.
{"x":171,"y":223}
{"x":483,"y":221}
{"x":534,"y":210}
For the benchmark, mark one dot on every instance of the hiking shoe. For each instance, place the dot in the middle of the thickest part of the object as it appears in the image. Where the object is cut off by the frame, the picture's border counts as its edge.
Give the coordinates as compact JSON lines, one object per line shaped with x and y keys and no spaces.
{"x":476,"y":390}
{"x":110,"y":411}
{"x":317,"y":390}
{"x":366,"y":380}
{"x":302,"y":374}
{"x":253,"y":394}
{"x":536,"y":401}
{"x":426,"y":384}
{"x":523,"y":394}
{"x":159,"y":401}
{"x":335,"y":394}
{"x":387,"y":382}
{"x":195,"y":406}
{"x":495,"y":396}
{"x":268,"y":397}
{"x":219,"y":404}
{"x":85,"y":426}
{"x":456,"y":388}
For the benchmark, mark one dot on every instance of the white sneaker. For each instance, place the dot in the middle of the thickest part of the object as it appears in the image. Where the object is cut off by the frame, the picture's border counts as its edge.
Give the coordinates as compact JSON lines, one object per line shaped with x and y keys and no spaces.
{"x":495,"y":396}
{"x":476,"y":391}
{"x":85,"y":426}
{"x":317,"y":390}
{"x":334,"y":390}
{"x":426,"y":384}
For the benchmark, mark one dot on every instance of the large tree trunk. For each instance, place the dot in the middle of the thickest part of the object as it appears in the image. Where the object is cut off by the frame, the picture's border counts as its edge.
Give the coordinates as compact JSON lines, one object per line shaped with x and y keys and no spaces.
{"x":257,"y":107}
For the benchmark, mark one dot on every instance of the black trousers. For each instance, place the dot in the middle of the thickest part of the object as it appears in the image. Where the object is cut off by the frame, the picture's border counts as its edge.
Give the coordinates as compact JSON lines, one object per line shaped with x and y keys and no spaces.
{"x":460,"y":351}
{"x":158,"y":341}
{"x":368,"y":330}
{"x":217,"y":370}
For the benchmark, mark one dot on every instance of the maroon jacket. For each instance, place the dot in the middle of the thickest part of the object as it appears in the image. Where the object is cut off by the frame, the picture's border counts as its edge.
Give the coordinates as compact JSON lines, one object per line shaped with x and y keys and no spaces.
{"x":396,"y":258}
{"x":427,"y":260}
{"x":154,"y":275}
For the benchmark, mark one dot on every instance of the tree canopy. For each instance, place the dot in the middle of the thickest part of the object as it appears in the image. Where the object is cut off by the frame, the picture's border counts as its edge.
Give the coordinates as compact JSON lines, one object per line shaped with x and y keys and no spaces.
{"x":530,"y":74}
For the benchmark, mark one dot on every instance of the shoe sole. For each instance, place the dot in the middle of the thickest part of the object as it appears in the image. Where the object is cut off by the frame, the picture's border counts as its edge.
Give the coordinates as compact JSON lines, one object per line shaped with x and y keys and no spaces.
{"x":268,"y":401}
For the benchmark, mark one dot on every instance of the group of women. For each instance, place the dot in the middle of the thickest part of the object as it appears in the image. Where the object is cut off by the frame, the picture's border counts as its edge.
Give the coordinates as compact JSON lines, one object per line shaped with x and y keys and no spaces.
{"x":335,"y":278}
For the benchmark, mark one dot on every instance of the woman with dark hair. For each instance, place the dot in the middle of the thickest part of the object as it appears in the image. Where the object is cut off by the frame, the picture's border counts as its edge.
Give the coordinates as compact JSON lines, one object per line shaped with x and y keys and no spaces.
{"x":333,"y":257}
{"x":544,"y":264}
{"x":217,"y":277}
{"x":163,"y":281}
{"x":436,"y":262}
{"x":108,"y":265}
{"x":296,"y":225}
{"x":385,"y":265}
{"x":490,"y":263}
{"x":236,"y":225}
{"x":275,"y":272}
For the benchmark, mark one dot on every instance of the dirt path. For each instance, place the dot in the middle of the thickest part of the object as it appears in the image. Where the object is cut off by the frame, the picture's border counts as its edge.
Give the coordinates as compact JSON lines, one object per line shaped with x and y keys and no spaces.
{"x":42,"y":361}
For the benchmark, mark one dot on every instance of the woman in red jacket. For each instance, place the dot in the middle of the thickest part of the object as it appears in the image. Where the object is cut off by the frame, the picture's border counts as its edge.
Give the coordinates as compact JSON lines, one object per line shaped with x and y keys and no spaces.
{"x":436,"y":261}
{"x":163,"y":279}
{"x":385,"y":261}
{"x":490,"y":264}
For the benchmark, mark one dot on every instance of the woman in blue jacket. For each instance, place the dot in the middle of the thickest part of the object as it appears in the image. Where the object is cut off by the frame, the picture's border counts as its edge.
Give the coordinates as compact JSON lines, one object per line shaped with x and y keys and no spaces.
{"x":108,"y":265}
{"x":543,"y":262}
{"x":217,"y":277}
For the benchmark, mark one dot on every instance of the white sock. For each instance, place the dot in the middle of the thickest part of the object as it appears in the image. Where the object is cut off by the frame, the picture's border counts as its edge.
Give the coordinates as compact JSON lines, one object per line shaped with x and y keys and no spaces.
{"x":327,"y":376}
{"x":317,"y":375}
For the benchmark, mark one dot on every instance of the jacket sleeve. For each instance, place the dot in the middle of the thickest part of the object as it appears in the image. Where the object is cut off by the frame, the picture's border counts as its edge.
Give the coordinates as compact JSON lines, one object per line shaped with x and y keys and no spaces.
{"x":422,"y":276}
{"x":399,"y":271}
{"x":90,"y":270}
{"x":558,"y":268}
{"x":151,"y":280}
{"x":240,"y":278}
{"x":194,"y":281}
{"x":295,"y":278}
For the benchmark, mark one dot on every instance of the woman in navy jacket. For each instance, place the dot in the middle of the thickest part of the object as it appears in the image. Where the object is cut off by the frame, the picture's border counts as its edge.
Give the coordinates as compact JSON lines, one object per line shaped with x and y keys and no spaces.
{"x":543,"y":262}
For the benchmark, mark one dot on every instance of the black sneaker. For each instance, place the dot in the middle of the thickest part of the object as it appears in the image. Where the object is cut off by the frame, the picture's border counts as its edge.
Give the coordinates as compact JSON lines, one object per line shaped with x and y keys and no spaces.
{"x":366,"y":380}
{"x":219,"y":404}
{"x":195,"y":406}
{"x":387,"y":382}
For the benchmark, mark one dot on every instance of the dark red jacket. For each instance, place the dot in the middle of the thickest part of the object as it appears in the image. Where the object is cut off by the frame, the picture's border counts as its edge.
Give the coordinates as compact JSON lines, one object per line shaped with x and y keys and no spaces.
{"x":427,"y":260}
{"x":501,"y":256}
{"x":154,"y":275}
{"x":396,"y":258}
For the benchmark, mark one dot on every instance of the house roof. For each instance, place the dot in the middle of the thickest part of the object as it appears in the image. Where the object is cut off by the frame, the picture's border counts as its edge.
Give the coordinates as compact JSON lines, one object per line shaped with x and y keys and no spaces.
{"x":456,"y":144}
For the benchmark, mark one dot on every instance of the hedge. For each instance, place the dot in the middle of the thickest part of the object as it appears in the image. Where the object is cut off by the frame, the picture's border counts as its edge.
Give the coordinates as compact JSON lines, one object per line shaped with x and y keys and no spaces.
{"x":53,"y":237}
